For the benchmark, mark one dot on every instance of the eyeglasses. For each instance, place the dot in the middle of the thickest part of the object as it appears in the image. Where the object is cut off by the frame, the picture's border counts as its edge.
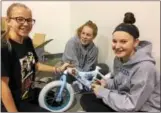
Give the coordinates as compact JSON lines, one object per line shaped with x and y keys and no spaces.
{"x":22,"y":20}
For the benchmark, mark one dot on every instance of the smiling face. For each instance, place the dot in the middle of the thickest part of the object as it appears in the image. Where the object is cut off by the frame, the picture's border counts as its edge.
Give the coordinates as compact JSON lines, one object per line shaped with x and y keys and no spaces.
{"x":86,"y":35}
{"x":123,"y":44}
{"x":16,"y":21}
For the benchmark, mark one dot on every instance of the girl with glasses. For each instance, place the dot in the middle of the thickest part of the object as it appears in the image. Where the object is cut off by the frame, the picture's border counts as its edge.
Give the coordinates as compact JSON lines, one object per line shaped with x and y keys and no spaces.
{"x":19,"y":62}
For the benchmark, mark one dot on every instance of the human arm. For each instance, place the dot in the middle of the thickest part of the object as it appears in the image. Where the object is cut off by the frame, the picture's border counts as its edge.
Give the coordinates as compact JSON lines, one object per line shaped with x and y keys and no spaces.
{"x":7,"y":97}
{"x":142,"y":85}
{"x":70,"y":54}
{"x":48,"y":68}
{"x":44,"y":67}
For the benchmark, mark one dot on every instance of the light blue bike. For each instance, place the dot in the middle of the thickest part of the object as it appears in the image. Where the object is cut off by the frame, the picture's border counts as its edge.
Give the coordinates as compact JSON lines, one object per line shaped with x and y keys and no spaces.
{"x":58,"y":96}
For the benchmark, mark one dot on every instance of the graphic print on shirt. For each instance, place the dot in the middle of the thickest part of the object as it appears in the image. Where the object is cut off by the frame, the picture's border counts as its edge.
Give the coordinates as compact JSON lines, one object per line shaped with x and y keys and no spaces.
{"x":27,"y":72}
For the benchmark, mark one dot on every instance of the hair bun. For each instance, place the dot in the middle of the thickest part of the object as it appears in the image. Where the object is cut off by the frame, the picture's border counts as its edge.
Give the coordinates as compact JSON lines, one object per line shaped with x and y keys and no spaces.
{"x":89,"y":22}
{"x":129,"y":18}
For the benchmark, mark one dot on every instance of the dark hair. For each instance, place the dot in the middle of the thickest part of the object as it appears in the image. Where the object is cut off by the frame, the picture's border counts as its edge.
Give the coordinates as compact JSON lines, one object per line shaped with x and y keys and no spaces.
{"x":128,"y":25}
{"x":89,"y":24}
{"x":129,"y":18}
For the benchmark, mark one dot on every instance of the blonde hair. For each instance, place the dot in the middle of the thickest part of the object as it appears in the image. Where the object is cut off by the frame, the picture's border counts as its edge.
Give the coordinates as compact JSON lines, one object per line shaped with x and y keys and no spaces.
{"x":89,"y":24}
{"x":10,"y":8}
{"x":9,"y":15}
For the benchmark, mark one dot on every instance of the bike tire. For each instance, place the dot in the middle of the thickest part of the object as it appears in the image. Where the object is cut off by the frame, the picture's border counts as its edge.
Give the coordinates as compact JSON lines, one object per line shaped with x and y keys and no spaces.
{"x":42,"y":97}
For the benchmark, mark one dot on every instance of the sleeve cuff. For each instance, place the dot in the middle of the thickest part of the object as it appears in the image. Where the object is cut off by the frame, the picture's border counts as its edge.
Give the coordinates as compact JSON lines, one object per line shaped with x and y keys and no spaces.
{"x":102,"y":92}
{"x":109,"y":83}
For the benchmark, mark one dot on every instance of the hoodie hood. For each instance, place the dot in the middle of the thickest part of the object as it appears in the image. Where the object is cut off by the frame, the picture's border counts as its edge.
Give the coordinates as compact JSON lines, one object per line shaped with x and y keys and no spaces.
{"x":143,"y":53}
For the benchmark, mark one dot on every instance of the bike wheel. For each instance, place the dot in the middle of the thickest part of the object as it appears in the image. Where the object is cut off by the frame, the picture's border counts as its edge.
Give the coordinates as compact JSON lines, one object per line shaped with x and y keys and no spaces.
{"x":48,"y":94}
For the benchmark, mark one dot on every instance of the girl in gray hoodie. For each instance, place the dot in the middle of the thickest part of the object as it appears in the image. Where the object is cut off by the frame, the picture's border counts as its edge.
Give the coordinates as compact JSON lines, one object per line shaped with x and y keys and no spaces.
{"x":135,"y":83}
{"x":81,"y":51}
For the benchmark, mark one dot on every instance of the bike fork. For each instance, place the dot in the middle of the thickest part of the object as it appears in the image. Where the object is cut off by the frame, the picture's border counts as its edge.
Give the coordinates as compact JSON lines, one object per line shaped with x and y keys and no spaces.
{"x":59,"y":96}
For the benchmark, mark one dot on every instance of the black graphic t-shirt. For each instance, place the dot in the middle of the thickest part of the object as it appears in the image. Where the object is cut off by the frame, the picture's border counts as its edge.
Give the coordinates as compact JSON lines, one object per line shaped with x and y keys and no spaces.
{"x":19,"y":65}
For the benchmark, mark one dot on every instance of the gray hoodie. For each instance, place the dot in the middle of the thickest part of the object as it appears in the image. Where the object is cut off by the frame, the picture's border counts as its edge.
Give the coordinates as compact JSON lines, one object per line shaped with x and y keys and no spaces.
{"x":135,"y":85}
{"x":84,"y":58}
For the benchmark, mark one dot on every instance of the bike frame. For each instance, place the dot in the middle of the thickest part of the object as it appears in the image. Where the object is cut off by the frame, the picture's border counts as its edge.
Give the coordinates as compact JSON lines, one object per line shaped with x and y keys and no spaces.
{"x":82,"y":78}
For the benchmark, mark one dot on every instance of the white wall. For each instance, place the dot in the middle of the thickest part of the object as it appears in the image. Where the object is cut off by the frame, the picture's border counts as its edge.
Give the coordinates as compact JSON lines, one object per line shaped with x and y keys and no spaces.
{"x":107,"y":15}
{"x":59,"y":20}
